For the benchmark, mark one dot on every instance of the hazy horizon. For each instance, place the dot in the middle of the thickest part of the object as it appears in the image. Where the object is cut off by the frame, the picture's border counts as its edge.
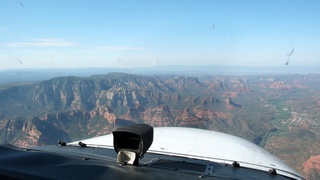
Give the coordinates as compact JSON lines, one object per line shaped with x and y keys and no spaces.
{"x":39,"y":74}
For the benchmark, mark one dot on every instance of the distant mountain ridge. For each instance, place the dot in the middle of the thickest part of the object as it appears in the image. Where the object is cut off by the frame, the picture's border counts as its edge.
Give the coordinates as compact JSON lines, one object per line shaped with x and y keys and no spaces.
{"x":41,"y":74}
{"x":101,"y":99}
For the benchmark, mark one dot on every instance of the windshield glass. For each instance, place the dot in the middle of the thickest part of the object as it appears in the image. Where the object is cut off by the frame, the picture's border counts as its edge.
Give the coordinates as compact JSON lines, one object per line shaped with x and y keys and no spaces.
{"x":243,"y":67}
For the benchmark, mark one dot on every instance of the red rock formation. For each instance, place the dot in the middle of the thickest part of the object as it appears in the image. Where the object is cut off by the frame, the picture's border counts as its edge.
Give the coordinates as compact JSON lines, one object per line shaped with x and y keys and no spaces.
{"x":185,"y":118}
{"x":311,"y":167}
{"x":218,"y":86}
{"x":105,"y":112}
{"x":280,"y":85}
{"x":230,"y":105}
{"x":32,"y":135}
{"x":184,"y":83}
{"x":241,"y":88}
{"x":230,"y":94}
{"x":159,"y":116}
{"x":206,"y":114}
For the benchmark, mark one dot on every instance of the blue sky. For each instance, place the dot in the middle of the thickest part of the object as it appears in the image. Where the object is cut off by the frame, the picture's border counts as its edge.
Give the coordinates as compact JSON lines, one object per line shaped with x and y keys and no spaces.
{"x":124,"y":33}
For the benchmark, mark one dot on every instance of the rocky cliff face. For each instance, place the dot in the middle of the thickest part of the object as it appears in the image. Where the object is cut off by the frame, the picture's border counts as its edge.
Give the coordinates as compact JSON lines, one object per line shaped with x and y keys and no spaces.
{"x":83,"y":107}
{"x":187,"y":119}
{"x":9,"y":127}
{"x":159,"y":116}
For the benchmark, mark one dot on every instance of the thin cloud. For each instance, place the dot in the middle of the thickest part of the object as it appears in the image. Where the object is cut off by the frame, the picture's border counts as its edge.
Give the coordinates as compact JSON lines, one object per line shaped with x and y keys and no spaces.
{"x":41,"y":43}
{"x":115,"y":48}
{"x":121,"y":48}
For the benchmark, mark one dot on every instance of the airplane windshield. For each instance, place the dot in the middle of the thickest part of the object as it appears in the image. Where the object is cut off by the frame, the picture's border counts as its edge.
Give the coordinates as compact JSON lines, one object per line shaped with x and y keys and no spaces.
{"x":72,"y":70}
